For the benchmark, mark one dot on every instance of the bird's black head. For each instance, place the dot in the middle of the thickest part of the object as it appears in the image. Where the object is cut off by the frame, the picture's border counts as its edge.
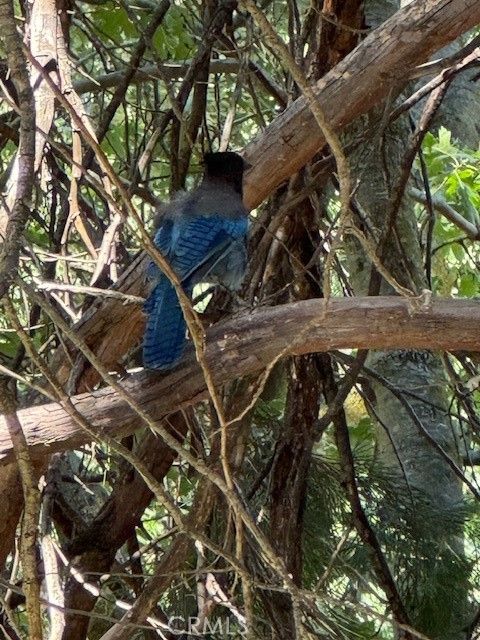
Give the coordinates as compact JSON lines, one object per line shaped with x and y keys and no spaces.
{"x":227,"y":166}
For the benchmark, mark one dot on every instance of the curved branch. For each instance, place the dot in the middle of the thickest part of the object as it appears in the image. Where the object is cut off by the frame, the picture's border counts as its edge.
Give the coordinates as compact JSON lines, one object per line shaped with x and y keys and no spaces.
{"x":250,"y":343}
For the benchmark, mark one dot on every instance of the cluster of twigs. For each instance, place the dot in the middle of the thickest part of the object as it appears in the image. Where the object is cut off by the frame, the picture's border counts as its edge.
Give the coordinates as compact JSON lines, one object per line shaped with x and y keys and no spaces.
{"x":75,"y":221}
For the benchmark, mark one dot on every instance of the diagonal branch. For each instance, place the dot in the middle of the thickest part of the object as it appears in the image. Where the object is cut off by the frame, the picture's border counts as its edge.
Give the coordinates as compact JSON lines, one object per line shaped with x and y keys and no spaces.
{"x":382,"y":62}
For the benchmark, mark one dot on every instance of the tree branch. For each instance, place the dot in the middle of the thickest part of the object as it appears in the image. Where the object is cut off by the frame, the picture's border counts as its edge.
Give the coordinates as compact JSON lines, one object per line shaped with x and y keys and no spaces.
{"x":440,"y":205}
{"x":382,"y":62}
{"x":15,"y":208}
{"x":174,"y":71}
{"x":247,"y":344}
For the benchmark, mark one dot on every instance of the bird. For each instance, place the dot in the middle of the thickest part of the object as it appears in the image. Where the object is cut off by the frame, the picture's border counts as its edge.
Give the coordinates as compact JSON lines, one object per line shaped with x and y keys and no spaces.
{"x":202,"y":235}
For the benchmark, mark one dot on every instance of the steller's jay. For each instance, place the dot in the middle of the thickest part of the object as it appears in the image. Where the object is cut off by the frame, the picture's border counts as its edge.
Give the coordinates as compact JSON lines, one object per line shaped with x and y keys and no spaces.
{"x":202,"y":234}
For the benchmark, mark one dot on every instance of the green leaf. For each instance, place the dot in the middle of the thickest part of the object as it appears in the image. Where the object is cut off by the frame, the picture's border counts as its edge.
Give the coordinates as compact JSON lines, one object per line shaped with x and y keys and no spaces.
{"x":9,"y":343}
{"x":468,"y":285}
{"x":444,"y":140}
{"x":37,"y":236}
{"x":172,"y":39}
{"x":113,"y":21}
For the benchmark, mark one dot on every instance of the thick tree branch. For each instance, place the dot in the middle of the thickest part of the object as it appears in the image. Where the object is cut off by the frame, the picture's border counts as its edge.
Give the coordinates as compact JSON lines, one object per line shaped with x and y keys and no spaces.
{"x":382,"y":62}
{"x":15,"y":208}
{"x":362,"y":79}
{"x":250,"y":343}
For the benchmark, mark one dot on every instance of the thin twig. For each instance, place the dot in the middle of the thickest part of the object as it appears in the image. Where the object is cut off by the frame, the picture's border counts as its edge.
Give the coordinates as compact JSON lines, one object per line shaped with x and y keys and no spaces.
{"x":31,"y":493}
{"x":89,"y":291}
{"x":199,"y":465}
{"x":330,"y":134}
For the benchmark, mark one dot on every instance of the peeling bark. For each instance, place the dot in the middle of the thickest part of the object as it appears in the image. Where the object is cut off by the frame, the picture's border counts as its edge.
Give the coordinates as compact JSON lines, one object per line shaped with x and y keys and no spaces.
{"x":402,"y":448}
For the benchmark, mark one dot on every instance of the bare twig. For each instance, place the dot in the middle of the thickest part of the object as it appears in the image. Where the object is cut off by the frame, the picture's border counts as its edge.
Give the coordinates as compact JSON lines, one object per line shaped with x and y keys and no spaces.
{"x":318,"y":112}
{"x":31,"y":493}
{"x":89,"y":291}
{"x":199,"y":465}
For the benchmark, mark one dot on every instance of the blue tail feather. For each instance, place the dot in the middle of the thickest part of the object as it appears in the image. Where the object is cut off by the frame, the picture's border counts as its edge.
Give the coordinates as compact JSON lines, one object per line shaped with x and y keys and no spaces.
{"x":164,"y":339}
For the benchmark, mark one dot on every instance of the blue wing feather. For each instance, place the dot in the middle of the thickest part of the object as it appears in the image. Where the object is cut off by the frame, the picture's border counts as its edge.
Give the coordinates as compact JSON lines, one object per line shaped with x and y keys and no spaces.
{"x":197,"y":248}
{"x":164,"y":236}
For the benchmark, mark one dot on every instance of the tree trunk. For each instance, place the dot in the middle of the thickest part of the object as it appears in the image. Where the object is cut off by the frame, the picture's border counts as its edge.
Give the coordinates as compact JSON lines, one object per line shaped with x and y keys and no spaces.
{"x":435,"y":586}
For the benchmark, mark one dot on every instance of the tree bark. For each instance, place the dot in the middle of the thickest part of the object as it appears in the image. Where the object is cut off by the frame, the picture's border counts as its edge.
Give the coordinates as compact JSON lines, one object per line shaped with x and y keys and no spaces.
{"x":354,"y":86}
{"x":248,"y":344}
{"x":94,"y":549}
{"x":380,"y":64}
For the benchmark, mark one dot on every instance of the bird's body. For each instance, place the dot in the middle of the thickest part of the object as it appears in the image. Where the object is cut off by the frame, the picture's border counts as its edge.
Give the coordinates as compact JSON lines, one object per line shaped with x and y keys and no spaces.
{"x":203,"y":237}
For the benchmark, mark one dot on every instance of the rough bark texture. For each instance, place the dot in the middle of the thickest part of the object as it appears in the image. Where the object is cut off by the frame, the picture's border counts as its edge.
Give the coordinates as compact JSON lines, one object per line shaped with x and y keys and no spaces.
{"x":12,"y":504}
{"x":46,"y":36}
{"x":15,"y":208}
{"x":364,"y":78}
{"x":351,"y":88}
{"x":251,"y":343}
{"x":303,"y":377}
{"x":14,"y":213}
{"x":289,"y":479}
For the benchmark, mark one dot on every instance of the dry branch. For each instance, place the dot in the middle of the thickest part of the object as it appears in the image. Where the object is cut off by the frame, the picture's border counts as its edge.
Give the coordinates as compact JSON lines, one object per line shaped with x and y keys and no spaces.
{"x":248,"y":344}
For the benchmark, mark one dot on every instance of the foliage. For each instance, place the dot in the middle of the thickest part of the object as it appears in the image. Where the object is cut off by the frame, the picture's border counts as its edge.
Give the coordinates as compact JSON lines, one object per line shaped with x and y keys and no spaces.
{"x":454,"y":173}
{"x":430,"y":548}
